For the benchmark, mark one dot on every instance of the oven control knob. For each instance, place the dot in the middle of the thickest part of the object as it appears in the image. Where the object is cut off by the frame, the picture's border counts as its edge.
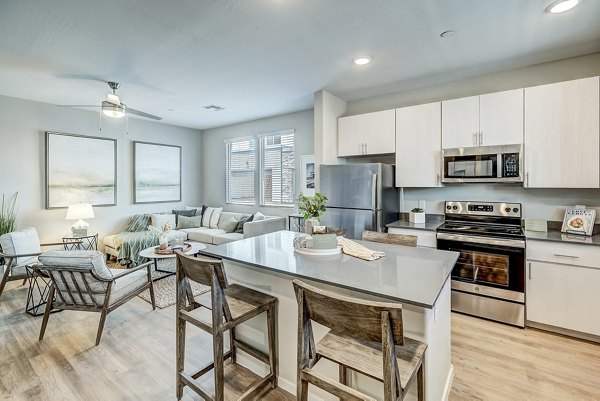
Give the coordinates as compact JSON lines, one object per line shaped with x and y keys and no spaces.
{"x":507,"y":210}
{"x":516,"y":210}
{"x":454,"y":207}
{"x":449,"y":207}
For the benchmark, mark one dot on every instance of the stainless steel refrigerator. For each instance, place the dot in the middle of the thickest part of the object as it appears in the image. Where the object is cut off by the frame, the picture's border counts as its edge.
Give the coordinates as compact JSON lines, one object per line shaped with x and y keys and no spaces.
{"x":361,"y":197}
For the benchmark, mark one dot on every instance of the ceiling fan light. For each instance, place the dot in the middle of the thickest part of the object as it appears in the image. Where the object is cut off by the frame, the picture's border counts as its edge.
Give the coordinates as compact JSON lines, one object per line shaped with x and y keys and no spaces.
{"x":113,"y":111}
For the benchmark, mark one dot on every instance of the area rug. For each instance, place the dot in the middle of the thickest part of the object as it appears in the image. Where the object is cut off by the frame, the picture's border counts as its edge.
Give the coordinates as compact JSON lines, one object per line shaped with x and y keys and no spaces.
{"x":164,"y":289}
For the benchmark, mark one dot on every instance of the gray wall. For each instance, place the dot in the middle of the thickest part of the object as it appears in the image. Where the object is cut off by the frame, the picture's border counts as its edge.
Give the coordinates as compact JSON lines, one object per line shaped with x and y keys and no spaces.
{"x":213,"y":159}
{"x":22,"y":163}
{"x":538,"y":203}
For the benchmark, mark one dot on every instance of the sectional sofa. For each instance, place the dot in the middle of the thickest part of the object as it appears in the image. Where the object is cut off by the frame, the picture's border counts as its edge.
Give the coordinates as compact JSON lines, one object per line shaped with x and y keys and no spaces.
{"x":213,"y":236}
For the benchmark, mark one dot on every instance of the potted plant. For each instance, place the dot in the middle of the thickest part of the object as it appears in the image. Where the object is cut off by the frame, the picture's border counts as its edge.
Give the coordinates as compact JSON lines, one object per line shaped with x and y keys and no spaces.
{"x":417,"y":216}
{"x":312,"y":208}
{"x":8,"y":216}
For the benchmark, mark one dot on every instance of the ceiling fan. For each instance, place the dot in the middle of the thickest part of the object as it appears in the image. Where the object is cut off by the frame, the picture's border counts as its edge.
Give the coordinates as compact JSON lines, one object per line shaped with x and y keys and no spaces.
{"x":113,"y":107}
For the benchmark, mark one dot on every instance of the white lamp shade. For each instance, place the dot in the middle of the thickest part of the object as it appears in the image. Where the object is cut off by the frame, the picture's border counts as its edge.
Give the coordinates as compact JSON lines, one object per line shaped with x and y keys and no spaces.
{"x":80,"y":211}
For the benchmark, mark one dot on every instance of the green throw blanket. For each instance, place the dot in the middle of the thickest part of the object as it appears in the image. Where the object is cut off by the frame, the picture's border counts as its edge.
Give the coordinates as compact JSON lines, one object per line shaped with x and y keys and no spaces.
{"x":130,"y":244}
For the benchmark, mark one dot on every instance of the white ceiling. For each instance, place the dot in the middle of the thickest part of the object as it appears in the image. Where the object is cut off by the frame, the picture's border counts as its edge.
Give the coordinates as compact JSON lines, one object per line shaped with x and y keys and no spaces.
{"x":259,"y":58}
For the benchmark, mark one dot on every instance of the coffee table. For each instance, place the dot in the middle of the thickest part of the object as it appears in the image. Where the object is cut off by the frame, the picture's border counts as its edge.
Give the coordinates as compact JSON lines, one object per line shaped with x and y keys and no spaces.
{"x":149,"y":254}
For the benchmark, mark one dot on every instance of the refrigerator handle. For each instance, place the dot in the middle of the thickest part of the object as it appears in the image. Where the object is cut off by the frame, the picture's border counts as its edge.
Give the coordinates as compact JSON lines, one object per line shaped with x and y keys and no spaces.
{"x":374,"y":192}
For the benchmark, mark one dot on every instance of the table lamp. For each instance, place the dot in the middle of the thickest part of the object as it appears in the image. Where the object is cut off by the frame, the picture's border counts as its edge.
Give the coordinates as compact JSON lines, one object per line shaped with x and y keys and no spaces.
{"x":80,"y":211}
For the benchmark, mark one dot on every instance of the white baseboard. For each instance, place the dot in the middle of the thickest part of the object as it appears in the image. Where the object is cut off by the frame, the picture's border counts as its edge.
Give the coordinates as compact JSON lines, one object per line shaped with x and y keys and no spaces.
{"x":448,"y":385}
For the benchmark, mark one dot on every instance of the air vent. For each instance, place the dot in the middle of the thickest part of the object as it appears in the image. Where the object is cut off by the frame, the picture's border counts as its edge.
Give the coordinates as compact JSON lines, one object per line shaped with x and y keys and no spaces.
{"x":214,"y":108}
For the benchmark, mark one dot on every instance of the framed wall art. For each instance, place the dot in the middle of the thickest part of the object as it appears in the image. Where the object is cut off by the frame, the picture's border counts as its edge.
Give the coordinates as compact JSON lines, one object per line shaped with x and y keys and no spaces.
{"x":80,"y":169}
{"x":156,"y":172}
{"x":307,"y":171}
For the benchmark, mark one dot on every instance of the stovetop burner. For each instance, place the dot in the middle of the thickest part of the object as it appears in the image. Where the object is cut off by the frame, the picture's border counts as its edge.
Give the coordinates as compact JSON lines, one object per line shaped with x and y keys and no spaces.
{"x":483,"y":218}
{"x":503,"y":230}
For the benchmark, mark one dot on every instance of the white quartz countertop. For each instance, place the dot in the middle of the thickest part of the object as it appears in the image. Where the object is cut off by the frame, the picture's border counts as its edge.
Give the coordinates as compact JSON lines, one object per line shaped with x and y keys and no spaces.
{"x":409,"y":275}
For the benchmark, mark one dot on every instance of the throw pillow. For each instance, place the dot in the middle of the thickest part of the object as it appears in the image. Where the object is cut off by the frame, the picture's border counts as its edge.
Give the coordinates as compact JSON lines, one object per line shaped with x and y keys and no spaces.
{"x":210,"y":217}
{"x":206,"y":216}
{"x":159,"y":220}
{"x":187,"y":213}
{"x":230,"y":225}
{"x":139,"y":222}
{"x":244,"y":219}
{"x":258,"y":216}
{"x":199,"y":209}
{"x":189,"y":222}
{"x":214,"y":219}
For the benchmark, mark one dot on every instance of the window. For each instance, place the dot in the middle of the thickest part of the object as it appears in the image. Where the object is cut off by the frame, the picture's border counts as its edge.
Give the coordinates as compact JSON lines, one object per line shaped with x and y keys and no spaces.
{"x":240,"y":166}
{"x":277,"y":168}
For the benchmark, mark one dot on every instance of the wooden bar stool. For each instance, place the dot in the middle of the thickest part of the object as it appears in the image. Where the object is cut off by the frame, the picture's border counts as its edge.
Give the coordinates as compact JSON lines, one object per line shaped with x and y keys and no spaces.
{"x":388,"y":238}
{"x":365,"y":336}
{"x":230,"y":305}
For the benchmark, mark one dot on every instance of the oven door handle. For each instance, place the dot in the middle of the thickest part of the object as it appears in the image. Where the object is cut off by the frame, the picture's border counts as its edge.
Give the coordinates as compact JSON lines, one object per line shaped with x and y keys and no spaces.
{"x":512,"y":243}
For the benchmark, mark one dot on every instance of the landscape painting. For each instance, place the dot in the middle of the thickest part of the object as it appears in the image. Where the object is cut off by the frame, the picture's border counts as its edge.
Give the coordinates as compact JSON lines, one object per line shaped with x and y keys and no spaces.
{"x":80,"y":169}
{"x":157,"y":173}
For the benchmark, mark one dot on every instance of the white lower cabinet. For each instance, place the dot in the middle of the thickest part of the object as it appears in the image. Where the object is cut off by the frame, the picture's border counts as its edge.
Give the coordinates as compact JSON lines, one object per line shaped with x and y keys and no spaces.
{"x":564,"y":295}
{"x":424,"y":238}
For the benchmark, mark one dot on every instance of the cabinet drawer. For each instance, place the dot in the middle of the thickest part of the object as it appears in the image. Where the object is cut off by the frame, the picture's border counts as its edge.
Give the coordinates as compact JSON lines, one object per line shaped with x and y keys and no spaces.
{"x":571,"y":254}
{"x":424,"y":238}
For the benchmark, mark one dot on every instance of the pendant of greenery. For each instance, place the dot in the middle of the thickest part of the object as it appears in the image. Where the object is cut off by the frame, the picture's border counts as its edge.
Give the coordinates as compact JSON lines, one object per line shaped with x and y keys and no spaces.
{"x":312,"y":206}
{"x":8,"y":214}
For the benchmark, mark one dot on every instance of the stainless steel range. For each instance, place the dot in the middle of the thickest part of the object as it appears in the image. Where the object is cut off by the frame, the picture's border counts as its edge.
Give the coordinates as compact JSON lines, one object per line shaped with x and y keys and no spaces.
{"x":488,"y":279}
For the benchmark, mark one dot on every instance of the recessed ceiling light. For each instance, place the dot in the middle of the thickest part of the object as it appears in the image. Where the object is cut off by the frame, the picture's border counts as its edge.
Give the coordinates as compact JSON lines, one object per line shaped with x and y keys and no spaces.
{"x":446,"y":34}
{"x":561,"y":6}
{"x":362,"y":60}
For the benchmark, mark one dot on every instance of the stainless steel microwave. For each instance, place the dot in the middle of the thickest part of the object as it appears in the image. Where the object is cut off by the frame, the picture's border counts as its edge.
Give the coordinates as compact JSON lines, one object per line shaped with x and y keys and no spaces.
{"x":483,"y":164}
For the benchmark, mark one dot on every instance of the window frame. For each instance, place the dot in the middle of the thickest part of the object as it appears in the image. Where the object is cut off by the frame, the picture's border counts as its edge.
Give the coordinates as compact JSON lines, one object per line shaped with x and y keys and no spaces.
{"x":261,"y":168}
{"x":228,"y":142}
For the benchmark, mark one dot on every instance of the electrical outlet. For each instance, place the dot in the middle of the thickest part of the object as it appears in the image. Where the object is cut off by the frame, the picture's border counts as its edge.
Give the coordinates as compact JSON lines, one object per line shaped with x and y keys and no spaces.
{"x":422,"y":204}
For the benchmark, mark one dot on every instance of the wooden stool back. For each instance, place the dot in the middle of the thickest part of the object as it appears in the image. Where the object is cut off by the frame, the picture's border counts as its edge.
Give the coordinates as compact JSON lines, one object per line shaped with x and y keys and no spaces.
{"x":360,"y":319}
{"x":387,"y":238}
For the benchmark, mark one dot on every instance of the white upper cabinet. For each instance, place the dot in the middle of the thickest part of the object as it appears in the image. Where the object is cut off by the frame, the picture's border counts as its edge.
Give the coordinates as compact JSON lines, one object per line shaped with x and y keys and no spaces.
{"x":562,"y":135}
{"x":501,"y":118}
{"x":367,"y":134}
{"x":419,"y":145}
{"x":486,"y":120}
{"x":460,"y":122}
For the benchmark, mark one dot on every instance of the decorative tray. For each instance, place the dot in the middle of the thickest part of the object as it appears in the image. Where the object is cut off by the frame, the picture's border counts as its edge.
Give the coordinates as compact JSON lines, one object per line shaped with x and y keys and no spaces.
{"x":168,"y":251}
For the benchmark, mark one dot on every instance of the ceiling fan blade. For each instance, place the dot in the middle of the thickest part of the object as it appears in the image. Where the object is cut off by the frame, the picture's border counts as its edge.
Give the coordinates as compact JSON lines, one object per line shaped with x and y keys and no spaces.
{"x":78,"y":105}
{"x":114,"y":99}
{"x":142,"y":114}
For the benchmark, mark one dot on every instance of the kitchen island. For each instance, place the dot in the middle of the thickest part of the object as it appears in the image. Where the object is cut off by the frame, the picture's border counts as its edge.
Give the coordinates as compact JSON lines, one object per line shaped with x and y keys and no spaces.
{"x":416,"y":277}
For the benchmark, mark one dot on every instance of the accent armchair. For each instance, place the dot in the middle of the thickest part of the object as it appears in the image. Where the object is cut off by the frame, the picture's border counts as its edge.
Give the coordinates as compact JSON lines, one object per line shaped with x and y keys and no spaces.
{"x":81,"y":281}
{"x":19,"y":249}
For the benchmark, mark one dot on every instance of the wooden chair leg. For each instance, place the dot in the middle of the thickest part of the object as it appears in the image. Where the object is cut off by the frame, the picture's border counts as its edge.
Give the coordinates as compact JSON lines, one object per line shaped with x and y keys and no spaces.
{"x":7,"y":270}
{"x":232,"y":345}
{"x":343,"y":375}
{"x":302,"y":391}
{"x":180,"y":355}
{"x":421,"y":383}
{"x":24,"y":281}
{"x":219,"y":366}
{"x":101,"y":323}
{"x":151,"y":288}
{"x":272,"y":327}
{"x":47,"y":313}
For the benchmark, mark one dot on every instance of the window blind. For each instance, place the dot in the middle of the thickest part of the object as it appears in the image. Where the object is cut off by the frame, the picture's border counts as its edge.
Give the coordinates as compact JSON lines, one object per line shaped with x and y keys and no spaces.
{"x":277,"y":168}
{"x":240,"y":165}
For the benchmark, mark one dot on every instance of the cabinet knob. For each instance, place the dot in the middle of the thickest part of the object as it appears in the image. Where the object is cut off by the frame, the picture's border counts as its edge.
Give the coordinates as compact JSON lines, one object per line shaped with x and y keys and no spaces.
{"x":480,"y":138}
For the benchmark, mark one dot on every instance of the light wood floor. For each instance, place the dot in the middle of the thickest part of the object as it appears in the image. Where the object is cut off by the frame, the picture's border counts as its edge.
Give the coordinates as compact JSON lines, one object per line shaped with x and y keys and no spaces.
{"x":135,"y":360}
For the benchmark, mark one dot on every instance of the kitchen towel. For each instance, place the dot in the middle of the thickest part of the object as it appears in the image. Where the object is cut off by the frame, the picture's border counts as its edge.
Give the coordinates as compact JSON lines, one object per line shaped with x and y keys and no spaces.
{"x":357,"y":250}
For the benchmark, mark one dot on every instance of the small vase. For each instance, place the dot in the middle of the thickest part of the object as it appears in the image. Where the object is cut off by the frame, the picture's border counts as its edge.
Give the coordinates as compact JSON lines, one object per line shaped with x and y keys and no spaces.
{"x":163,"y":242}
{"x":310,"y":223}
{"x":416,"y":218}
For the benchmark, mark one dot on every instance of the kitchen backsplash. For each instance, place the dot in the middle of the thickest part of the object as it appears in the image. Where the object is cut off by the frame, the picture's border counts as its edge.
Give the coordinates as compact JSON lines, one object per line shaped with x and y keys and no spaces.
{"x":548,"y":204}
